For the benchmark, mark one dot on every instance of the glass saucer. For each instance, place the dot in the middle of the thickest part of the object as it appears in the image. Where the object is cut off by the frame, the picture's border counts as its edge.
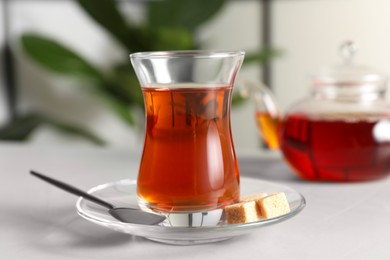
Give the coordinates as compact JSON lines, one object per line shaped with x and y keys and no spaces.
{"x":123,"y":194}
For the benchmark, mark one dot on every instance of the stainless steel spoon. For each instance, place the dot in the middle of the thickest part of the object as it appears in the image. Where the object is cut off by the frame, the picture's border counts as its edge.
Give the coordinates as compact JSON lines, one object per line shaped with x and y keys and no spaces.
{"x":126,"y":215}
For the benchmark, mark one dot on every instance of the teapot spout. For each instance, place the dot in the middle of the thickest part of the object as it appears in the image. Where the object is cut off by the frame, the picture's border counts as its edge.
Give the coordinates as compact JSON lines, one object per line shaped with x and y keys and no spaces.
{"x":268,"y":116}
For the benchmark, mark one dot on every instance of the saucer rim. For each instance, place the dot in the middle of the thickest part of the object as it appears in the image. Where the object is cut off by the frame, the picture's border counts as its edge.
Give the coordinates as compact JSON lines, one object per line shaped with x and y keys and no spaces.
{"x":221,"y":227}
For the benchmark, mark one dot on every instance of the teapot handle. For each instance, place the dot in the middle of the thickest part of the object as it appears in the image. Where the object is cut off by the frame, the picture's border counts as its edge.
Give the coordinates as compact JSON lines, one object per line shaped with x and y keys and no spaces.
{"x":268,"y":115}
{"x":264,"y":99}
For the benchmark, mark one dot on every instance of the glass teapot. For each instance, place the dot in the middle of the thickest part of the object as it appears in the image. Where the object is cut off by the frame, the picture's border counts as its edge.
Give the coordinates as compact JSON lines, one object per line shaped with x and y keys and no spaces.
{"x":340,"y":133}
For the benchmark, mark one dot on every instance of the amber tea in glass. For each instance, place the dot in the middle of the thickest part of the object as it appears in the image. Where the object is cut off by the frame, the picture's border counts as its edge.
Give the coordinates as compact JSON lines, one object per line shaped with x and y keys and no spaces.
{"x":188,"y":162}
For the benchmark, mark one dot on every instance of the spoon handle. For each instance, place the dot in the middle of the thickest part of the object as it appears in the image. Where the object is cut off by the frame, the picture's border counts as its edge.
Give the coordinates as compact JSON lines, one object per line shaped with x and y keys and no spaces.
{"x":72,"y":189}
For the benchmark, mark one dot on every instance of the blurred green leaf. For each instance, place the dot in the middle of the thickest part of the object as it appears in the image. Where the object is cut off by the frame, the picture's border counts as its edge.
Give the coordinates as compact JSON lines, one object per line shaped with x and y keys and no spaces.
{"x":187,"y":14}
{"x":261,"y":56}
{"x":74,"y":130}
{"x":122,"y":110}
{"x":125,"y":84}
{"x":56,"y":57}
{"x":106,"y":13}
{"x":173,"y":39}
{"x":146,"y":38}
{"x":238,"y":100}
{"x":22,"y":127}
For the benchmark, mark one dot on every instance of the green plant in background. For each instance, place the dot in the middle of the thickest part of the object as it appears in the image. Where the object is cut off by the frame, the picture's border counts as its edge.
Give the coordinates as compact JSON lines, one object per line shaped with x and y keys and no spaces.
{"x":170,"y":25}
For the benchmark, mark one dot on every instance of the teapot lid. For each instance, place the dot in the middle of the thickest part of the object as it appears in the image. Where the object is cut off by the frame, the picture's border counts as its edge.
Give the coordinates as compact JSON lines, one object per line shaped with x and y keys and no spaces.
{"x":349,"y":73}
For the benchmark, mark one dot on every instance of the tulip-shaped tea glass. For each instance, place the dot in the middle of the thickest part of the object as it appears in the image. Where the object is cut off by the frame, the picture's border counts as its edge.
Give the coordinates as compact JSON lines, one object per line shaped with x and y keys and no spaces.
{"x":188,"y":162}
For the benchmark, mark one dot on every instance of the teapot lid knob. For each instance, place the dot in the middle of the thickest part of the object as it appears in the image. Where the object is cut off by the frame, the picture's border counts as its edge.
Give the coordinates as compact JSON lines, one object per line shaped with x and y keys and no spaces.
{"x":348,"y":50}
{"x":348,"y":73}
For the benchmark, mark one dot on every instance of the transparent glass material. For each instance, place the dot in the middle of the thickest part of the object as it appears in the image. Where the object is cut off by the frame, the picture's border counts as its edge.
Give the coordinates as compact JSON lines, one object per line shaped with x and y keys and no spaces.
{"x":204,"y":228}
{"x":188,"y":162}
{"x":341,"y":132}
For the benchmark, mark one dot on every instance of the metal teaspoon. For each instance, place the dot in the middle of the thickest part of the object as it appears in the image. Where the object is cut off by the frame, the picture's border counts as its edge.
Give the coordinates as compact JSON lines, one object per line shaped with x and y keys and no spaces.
{"x":126,"y":215}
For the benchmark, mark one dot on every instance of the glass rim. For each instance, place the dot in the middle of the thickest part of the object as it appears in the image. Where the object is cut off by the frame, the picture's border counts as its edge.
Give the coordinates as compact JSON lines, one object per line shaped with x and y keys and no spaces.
{"x":197,"y":54}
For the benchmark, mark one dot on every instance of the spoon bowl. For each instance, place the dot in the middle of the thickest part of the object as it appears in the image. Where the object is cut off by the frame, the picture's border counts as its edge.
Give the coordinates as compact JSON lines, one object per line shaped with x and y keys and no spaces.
{"x":125,"y":215}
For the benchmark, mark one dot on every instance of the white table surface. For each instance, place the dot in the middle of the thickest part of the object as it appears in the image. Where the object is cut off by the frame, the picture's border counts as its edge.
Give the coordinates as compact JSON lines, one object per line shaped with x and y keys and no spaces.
{"x":38,"y":221}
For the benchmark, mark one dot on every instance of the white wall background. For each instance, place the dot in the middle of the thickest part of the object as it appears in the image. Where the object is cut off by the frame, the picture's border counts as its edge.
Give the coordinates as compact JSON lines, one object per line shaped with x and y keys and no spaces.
{"x":309,"y":32}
